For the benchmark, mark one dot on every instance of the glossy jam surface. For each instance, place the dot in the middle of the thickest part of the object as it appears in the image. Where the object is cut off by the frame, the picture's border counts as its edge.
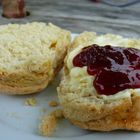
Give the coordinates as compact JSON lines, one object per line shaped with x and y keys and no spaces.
{"x":114,"y":68}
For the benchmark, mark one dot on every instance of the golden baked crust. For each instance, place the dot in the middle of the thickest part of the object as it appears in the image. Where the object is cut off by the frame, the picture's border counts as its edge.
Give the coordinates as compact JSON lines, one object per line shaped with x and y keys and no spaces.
{"x":84,"y":108}
{"x":19,"y":90}
{"x":31,"y":55}
{"x":124,"y":116}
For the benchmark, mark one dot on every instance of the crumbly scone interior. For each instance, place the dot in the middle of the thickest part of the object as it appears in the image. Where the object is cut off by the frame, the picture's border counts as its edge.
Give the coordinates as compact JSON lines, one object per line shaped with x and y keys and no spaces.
{"x":32,"y":51}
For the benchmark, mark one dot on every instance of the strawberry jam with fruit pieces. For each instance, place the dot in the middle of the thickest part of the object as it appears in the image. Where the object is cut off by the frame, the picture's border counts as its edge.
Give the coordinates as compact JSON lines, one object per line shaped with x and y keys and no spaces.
{"x":114,"y":68}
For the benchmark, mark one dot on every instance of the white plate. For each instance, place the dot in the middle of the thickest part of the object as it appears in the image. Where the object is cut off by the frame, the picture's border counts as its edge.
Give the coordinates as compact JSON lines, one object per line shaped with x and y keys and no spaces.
{"x":18,"y":121}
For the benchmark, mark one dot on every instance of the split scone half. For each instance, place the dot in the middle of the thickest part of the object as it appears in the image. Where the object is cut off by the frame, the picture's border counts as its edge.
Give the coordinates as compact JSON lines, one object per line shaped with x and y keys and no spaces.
{"x":30,"y":56}
{"x":100,"y":86}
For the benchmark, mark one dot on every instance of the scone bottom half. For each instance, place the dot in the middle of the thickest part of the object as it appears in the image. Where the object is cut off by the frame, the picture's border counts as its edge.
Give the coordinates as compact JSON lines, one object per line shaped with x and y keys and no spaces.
{"x":31,"y":56}
{"x":99,"y":89}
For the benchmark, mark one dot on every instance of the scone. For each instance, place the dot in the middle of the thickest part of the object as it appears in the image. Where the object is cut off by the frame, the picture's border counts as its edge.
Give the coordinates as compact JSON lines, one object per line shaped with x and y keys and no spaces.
{"x":30,"y":56}
{"x":100,"y":86}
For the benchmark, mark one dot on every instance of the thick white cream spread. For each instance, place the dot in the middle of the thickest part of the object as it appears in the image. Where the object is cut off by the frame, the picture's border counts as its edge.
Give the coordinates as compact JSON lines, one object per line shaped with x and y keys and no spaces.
{"x":78,"y":76}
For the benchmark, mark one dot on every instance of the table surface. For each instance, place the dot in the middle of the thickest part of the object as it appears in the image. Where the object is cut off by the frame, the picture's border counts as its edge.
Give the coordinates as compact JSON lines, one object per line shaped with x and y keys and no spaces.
{"x":81,"y":15}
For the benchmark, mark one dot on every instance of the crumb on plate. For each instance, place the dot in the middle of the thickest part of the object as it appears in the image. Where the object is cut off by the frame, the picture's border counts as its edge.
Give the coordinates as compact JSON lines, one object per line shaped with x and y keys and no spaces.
{"x":49,"y":122}
{"x":31,"y":101}
{"x":58,"y":113}
{"x":53,"y":103}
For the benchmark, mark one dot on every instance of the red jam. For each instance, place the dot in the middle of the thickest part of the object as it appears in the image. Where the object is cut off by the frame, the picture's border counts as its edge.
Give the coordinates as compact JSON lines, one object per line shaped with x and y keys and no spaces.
{"x":114,"y":68}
